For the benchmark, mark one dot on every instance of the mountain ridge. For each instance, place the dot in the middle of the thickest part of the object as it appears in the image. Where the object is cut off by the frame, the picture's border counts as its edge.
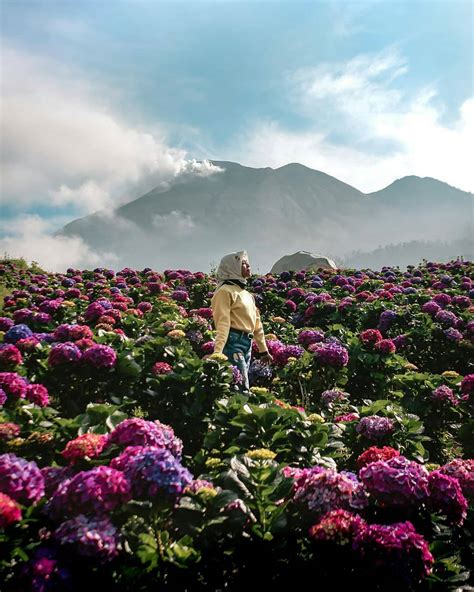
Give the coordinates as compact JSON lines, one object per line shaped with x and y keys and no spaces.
{"x":272,"y":212}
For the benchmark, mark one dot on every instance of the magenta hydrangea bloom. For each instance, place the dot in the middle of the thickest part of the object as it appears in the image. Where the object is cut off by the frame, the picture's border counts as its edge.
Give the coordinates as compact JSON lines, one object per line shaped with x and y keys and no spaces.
{"x":467,"y":384}
{"x":370,"y":337}
{"x":309,"y":336}
{"x":100,"y":356}
{"x":396,"y":481}
{"x":180,"y":295}
{"x":3,"y":397}
{"x":442,"y":299}
{"x":374,"y":427}
{"x":20,"y":479}
{"x":10,"y":356}
{"x":446,"y":318}
{"x":321,"y":490}
{"x":461,"y":301}
{"x":431,"y":307}
{"x":37,"y":394}
{"x":13,"y":385}
{"x":94,"y":311}
{"x":445,"y":496}
{"x":347,"y":417}
{"x":140,"y":432}
{"x":332,"y":354}
{"x":160,"y":368}
{"x":337,"y":526}
{"x":10,"y":511}
{"x":463,"y":471}
{"x":207,"y":348}
{"x":145,"y":306}
{"x":396,"y":550}
{"x":64,"y":353}
{"x":28,"y":344}
{"x":98,"y":491}
{"x":444,"y":394}
{"x":452,"y":334}
{"x":6,"y":323}
{"x":90,"y":537}
{"x":385,"y":346}
{"x":283,"y":354}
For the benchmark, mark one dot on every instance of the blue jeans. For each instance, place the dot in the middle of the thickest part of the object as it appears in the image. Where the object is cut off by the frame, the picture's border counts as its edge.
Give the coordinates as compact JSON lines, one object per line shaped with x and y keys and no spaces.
{"x":238,"y":349}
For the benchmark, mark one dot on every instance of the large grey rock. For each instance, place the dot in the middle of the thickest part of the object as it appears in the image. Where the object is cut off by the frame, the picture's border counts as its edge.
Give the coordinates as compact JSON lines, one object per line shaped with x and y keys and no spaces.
{"x":302,"y":260}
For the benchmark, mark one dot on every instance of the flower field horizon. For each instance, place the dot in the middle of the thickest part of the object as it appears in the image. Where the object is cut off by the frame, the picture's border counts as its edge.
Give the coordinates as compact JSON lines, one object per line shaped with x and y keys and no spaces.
{"x":129,"y":457}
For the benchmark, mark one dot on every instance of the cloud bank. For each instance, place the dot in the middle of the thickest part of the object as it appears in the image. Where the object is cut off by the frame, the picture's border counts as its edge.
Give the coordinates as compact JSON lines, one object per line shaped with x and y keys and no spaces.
{"x":362,"y":129}
{"x":63,"y":143}
{"x":29,"y":237}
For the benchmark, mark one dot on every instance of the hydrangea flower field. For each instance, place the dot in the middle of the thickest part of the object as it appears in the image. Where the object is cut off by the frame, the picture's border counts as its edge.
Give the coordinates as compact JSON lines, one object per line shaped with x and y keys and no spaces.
{"x":130,"y":459}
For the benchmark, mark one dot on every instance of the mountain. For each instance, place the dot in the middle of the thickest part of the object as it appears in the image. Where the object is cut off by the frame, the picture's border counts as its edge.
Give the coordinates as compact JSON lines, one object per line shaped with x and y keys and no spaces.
{"x":270,"y":213}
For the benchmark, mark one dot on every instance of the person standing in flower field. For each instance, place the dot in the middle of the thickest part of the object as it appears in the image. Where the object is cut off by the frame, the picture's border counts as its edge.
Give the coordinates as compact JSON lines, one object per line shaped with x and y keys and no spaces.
{"x":236,"y":316}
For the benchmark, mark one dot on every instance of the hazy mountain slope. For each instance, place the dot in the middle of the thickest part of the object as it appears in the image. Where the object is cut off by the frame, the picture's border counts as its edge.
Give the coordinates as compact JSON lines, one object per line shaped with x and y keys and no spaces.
{"x":272,"y":212}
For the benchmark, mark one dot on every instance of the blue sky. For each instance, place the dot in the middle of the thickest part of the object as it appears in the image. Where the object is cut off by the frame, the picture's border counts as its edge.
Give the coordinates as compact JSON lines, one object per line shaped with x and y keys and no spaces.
{"x":219,"y":65}
{"x":103,"y":99}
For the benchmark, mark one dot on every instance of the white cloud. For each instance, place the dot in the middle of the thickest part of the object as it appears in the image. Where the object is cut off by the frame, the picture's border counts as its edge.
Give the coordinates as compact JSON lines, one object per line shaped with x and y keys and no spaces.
{"x":29,"y":238}
{"x":179,"y":223}
{"x":388,"y":134}
{"x":63,"y":143}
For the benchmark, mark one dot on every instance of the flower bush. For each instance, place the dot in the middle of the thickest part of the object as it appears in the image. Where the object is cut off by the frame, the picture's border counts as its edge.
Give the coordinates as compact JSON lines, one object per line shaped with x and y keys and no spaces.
{"x":129,"y":454}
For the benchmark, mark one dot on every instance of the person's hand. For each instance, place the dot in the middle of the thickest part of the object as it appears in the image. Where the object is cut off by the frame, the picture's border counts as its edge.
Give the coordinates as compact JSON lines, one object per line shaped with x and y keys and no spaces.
{"x":266,"y":358}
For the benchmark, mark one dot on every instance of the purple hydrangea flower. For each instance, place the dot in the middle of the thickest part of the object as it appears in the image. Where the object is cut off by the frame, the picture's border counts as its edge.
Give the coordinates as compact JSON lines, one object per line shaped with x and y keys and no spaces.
{"x":310,"y":336}
{"x":431,"y":307}
{"x":321,"y":490}
{"x":374,"y":427}
{"x":445,"y":496}
{"x":37,"y":394}
{"x":20,"y":479}
{"x":180,"y":295}
{"x":155,"y":471}
{"x":444,"y":393}
{"x":140,"y":432}
{"x":396,"y":482}
{"x":467,"y":384}
{"x":23,"y":315}
{"x":13,"y":385}
{"x":5,"y":323}
{"x":259,"y":372}
{"x":100,"y":356}
{"x":16,"y":333}
{"x":446,"y":318}
{"x":463,"y":471}
{"x":90,"y":537}
{"x":10,"y":355}
{"x":386,"y":319}
{"x":337,"y":526}
{"x":64,"y":353}
{"x":442,"y":299}
{"x":98,"y":491}
{"x":332,"y":354}
{"x":396,"y":551}
{"x":282,"y":355}
{"x":333,"y":396}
